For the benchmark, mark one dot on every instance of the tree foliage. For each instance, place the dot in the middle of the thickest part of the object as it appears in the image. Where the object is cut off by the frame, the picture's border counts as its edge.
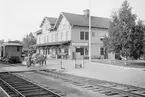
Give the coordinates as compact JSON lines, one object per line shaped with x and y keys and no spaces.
{"x":120,"y":31}
{"x":1,"y":42}
{"x":29,"y":40}
{"x":126,"y":36}
{"x":137,"y":37}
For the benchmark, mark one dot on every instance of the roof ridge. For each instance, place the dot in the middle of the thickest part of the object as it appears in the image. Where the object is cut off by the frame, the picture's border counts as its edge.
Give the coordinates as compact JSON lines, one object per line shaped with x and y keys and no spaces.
{"x":83,"y":15}
{"x":82,"y":20}
{"x":72,"y":13}
{"x":50,"y":17}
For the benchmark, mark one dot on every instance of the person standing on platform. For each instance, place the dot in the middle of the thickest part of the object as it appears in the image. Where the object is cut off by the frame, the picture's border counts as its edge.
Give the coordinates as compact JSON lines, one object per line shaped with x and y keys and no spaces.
{"x":29,"y":60}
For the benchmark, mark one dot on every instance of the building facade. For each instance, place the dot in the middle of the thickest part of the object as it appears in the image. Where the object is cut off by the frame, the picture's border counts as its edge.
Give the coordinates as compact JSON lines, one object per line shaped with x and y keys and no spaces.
{"x":69,"y":35}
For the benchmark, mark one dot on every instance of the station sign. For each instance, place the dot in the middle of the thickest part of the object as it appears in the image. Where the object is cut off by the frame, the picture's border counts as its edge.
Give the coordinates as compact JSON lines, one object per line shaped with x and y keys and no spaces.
{"x":80,"y":44}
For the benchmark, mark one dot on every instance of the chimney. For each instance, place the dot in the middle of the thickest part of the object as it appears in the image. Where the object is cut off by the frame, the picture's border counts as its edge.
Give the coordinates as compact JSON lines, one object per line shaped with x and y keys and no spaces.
{"x":87,"y":12}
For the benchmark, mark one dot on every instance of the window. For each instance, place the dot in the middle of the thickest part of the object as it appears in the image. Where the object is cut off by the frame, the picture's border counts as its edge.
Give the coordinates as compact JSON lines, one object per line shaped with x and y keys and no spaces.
{"x":93,"y":33}
{"x":56,"y":37}
{"x":84,"y":35}
{"x":48,"y":51}
{"x":61,"y":36}
{"x":82,"y":50}
{"x":86,"y":51}
{"x":18,"y":49}
{"x":51,"y":37}
{"x":77,"y":49}
{"x":101,"y":51}
{"x":44,"y":39}
{"x":66,"y":35}
{"x":47,"y":38}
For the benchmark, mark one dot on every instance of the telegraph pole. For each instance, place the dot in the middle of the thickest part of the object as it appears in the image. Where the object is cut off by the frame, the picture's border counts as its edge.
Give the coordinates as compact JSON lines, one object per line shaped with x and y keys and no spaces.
{"x":90,"y":30}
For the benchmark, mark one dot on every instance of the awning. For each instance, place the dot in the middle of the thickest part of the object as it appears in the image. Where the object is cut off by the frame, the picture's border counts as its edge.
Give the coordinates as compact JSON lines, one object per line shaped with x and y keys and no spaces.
{"x":53,"y":43}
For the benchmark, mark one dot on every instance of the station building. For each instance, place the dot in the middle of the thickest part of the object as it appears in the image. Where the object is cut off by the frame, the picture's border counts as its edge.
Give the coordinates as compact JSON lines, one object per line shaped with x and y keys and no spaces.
{"x":69,"y":33}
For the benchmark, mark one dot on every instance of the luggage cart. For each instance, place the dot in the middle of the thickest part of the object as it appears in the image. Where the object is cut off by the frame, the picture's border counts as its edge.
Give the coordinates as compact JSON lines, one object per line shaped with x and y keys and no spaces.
{"x":79,"y":61}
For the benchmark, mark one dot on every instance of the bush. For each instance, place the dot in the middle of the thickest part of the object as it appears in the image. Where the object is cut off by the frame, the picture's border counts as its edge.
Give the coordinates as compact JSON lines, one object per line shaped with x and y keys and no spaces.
{"x":117,"y":56}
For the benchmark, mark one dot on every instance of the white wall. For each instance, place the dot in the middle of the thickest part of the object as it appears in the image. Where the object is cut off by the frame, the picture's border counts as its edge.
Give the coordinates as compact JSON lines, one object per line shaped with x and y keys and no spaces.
{"x":96,"y":43}
{"x":63,"y":28}
{"x":63,"y":33}
{"x":46,"y":26}
{"x":94,"y":39}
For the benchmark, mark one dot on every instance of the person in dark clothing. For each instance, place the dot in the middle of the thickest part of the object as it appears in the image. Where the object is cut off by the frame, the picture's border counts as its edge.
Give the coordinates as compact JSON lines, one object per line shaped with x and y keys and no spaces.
{"x":44,"y":59}
{"x":29,"y":60}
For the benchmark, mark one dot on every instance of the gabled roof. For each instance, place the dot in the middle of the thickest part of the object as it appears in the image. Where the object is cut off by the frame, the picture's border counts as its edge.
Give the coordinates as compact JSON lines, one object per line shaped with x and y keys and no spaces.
{"x":82,"y":20}
{"x":52,"y":20}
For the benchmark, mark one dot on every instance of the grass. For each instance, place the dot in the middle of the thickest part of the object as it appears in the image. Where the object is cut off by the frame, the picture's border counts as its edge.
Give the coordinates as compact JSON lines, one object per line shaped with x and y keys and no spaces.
{"x":130,"y":63}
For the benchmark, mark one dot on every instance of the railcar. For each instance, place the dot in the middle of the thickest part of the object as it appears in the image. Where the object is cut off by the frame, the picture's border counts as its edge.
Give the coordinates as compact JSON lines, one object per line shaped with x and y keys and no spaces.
{"x":11,"y":52}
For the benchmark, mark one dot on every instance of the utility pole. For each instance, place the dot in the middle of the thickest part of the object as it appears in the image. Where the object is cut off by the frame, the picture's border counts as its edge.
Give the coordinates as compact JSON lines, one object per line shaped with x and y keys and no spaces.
{"x":90,"y":30}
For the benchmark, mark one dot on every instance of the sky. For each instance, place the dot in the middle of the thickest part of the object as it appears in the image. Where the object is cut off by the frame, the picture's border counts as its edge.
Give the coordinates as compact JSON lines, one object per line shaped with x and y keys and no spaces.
{"x":20,"y":17}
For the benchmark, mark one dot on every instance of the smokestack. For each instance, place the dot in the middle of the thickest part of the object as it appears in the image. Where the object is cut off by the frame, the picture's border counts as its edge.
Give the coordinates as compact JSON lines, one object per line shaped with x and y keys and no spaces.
{"x":87,"y":12}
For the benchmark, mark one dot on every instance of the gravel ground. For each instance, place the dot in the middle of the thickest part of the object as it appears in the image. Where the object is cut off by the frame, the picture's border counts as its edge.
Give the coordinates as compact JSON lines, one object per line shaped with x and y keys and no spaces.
{"x":2,"y":93}
{"x":64,"y":87}
{"x":119,"y":74}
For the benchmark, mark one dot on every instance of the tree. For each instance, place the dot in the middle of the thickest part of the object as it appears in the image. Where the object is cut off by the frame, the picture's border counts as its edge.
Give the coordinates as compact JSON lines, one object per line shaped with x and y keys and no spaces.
{"x":29,"y":40}
{"x":120,"y":30}
{"x":137,"y":37}
{"x":1,"y":42}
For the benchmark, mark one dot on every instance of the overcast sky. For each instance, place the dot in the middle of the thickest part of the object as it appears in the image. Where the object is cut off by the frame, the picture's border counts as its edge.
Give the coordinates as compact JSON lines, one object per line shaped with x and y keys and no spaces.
{"x":19,"y":17}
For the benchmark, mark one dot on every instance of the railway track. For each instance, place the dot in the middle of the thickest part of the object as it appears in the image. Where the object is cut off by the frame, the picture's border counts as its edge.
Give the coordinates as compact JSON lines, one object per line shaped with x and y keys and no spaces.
{"x":18,"y":87}
{"x":108,"y":88}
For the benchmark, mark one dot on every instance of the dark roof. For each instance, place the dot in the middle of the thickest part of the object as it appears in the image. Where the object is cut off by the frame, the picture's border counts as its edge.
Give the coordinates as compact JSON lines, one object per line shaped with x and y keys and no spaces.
{"x":51,"y":20}
{"x":82,"y":20}
{"x":39,"y":31}
{"x":12,"y":44}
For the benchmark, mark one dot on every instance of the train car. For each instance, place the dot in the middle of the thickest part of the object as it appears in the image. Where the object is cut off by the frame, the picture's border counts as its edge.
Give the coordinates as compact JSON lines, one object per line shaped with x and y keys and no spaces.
{"x":11,"y":52}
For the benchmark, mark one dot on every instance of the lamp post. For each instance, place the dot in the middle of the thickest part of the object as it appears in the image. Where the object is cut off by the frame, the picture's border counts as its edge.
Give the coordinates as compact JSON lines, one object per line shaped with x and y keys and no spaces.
{"x":90,"y":30}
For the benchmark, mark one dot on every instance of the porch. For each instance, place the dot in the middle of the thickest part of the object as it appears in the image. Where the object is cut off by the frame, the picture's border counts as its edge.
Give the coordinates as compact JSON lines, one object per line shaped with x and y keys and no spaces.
{"x":55,"y":49}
